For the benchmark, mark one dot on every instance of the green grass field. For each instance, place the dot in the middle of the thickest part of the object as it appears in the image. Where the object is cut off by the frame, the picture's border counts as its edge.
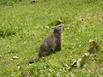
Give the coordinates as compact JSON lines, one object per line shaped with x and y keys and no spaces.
{"x":23,"y":26}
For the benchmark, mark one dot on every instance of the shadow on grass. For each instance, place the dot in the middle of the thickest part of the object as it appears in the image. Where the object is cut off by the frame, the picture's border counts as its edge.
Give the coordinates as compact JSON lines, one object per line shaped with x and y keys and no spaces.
{"x":6,"y":33}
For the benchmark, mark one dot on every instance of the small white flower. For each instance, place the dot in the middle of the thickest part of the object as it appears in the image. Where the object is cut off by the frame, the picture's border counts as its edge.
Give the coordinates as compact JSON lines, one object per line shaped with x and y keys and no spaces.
{"x":15,"y":57}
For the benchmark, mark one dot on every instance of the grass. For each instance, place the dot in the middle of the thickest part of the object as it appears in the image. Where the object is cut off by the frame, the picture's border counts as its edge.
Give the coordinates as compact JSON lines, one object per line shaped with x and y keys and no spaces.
{"x":23,"y":26}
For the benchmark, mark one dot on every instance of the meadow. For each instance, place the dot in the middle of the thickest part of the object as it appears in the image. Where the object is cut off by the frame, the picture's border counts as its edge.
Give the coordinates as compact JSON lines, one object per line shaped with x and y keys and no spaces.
{"x":23,"y":26}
